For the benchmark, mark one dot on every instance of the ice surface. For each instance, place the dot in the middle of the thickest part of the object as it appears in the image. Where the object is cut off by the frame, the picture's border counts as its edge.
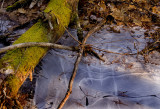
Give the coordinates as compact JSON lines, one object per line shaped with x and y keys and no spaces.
{"x":1,"y":45}
{"x":121,"y":82}
{"x":4,"y":25}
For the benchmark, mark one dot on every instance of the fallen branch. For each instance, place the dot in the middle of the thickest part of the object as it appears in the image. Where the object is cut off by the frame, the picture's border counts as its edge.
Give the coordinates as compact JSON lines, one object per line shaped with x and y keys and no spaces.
{"x":79,"y":57}
{"x":69,"y":91}
{"x":40,"y":44}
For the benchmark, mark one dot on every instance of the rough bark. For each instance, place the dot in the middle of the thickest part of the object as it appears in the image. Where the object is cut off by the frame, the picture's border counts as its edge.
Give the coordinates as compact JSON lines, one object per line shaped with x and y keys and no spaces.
{"x":19,"y":63}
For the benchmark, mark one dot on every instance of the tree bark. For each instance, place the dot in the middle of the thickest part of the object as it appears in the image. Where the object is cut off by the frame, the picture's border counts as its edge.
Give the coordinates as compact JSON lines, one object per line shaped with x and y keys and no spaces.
{"x":19,"y":63}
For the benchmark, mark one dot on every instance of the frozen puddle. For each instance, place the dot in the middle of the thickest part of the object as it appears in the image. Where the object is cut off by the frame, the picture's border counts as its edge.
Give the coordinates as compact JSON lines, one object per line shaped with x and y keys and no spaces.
{"x":121,"y":82}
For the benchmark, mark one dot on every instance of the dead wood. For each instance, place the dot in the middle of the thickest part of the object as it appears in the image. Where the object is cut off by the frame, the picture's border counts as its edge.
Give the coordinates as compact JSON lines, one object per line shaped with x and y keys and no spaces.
{"x":40,"y":44}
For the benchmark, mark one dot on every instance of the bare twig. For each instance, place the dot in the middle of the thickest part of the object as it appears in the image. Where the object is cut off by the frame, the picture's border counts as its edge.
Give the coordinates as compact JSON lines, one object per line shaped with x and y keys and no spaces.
{"x":93,"y":30}
{"x":86,"y":94}
{"x":40,"y":44}
{"x":66,"y":29}
{"x":71,"y":35}
{"x":2,"y":4}
{"x":79,"y":57}
{"x":97,"y":55}
{"x":69,"y":91}
{"x":107,"y":51}
{"x":88,"y":49}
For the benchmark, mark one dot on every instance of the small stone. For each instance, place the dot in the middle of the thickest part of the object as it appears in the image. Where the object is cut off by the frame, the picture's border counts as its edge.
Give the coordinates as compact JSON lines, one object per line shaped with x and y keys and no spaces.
{"x":93,"y":18}
{"x":21,"y":10}
{"x":85,"y":18}
{"x":99,"y":19}
{"x":153,"y":58}
{"x":84,"y":23}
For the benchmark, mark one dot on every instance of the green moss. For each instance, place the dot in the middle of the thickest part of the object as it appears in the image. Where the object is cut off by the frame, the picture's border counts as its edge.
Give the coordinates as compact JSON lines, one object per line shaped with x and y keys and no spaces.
{"x":61,"y":12}
{"x":13,"y":81}
{"x":26,"y":58}
{"x":61,"y":9}
{"x":74,"y":18}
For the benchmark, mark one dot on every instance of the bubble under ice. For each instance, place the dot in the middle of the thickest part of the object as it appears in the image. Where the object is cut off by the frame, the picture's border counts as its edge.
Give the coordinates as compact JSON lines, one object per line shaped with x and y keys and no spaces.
{"x":126,"y":83}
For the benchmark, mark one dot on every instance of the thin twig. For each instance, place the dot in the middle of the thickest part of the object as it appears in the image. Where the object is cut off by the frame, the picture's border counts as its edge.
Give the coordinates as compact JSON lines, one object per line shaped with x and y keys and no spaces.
{"x":69,"y":91}
{"x":103,"y":50}
{"x":93,"y":30}
{"x":71,"y":35}
{"x":66,"y":29}
{"x":40,"y":44}
{"x":97,"y":55}
{"x":79,"y":57}
{"x":85,"y":93}
{"x":2,"y":4}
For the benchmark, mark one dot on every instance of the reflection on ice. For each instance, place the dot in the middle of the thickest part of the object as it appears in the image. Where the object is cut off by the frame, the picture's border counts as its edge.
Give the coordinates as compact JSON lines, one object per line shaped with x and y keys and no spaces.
{"x":122,"y":82}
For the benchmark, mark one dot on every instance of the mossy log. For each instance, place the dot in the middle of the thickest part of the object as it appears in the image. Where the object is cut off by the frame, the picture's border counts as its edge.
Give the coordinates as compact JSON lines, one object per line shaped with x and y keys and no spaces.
{"x":18,"y":64}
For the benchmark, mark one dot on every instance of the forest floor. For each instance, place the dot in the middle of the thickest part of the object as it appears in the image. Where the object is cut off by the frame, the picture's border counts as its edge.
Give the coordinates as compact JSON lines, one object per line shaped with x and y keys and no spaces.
{"x":129,"y":29}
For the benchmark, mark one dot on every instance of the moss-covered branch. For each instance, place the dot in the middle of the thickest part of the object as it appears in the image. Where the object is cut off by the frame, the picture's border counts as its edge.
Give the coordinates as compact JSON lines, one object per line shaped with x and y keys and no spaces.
{"x":19,"y":63}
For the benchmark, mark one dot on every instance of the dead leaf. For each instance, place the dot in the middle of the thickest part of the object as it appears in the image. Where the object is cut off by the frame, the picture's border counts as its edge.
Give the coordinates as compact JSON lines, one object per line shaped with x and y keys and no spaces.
{"x":21,"y":10}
